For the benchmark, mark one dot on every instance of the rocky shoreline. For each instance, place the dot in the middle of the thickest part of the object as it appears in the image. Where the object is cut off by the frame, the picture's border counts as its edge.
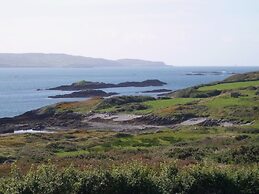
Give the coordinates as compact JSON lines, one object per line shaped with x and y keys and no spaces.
{"x":48,"y":119}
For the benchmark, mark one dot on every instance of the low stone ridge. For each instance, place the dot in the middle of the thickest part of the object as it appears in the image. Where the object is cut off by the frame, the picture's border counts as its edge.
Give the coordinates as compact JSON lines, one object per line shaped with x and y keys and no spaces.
{"x":87,"y":85}
{"x":85,"y":94}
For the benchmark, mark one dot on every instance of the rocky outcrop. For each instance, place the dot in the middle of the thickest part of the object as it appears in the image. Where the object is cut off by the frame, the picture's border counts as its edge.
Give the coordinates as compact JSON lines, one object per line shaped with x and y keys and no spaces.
{"x":42,"y":119}
{"x":86,"y":85}
{"x":157,"y":120}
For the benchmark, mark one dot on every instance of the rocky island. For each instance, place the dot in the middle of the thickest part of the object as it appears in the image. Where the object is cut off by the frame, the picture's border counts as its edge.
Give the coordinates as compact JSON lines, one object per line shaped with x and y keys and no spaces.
{"x":88,"y":85}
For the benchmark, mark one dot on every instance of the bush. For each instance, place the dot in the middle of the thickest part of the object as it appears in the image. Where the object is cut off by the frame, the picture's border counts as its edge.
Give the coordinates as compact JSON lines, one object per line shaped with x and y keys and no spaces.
{"x":211,"y":180}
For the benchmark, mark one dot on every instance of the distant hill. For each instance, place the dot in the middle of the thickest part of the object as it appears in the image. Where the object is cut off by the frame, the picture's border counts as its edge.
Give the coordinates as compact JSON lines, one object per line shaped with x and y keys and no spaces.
{"x":64,"y":60}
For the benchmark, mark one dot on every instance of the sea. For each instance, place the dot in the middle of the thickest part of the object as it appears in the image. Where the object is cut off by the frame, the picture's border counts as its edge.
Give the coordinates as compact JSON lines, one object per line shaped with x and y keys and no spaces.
{"x":24,"y":89}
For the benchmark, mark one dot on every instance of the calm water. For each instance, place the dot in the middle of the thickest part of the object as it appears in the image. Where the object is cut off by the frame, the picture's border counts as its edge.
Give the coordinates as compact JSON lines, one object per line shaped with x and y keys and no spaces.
{"x":18,"y":87}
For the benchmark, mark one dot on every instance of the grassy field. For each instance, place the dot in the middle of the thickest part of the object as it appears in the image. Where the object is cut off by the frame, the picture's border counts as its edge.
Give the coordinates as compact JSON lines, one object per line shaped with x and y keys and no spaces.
{"x":93,"y":148}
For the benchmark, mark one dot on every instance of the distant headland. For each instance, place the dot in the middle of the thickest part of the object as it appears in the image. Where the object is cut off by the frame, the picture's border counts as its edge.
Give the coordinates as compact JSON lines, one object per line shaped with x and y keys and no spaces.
{"x":72,"y":61}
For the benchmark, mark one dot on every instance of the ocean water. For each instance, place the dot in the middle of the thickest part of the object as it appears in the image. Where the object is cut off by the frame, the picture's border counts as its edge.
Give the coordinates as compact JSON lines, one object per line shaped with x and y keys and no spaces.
{"x":18,"y":86}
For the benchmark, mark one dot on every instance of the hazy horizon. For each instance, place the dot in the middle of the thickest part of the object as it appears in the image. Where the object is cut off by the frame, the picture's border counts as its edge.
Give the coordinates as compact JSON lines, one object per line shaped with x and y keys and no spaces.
{"x":177,"y":32}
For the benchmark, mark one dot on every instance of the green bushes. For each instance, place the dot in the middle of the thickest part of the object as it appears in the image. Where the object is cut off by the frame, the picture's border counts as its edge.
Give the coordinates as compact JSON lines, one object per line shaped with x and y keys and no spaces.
{"x":134,"y":179}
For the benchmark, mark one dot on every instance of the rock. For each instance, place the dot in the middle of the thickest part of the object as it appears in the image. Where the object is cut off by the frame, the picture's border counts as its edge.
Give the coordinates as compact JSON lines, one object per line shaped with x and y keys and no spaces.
{"x":235,"y":94}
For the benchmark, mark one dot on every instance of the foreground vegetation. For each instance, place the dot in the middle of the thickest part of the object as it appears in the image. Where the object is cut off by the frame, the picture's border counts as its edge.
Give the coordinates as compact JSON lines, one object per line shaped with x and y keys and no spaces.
{"x":134,"y":179}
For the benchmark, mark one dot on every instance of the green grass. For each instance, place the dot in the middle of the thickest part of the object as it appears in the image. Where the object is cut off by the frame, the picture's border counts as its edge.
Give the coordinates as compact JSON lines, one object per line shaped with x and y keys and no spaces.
{"x":229,"y":86}
{"x":156,"y":105}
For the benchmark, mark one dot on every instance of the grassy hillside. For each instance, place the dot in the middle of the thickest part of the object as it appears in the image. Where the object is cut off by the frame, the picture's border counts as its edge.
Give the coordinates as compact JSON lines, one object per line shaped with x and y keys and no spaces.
{"x":230,"y":86}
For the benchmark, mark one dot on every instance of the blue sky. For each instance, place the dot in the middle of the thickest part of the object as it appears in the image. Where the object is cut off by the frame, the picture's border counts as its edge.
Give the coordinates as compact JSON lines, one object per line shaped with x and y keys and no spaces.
{"x":179,"y":32}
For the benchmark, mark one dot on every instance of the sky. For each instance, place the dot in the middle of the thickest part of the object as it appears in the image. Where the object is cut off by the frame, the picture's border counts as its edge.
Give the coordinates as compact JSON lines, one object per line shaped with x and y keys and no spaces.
{"x":178,"y":32}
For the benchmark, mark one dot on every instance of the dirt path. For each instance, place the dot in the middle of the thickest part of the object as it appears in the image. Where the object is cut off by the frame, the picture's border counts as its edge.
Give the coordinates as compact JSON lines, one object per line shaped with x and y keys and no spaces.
{"x":120,"y":127}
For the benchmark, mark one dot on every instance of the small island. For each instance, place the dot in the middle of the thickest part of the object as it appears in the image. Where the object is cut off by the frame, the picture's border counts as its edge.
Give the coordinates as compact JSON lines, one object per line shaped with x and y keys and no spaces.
{"x":157,"y":91}
{"x":85,"y":94}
